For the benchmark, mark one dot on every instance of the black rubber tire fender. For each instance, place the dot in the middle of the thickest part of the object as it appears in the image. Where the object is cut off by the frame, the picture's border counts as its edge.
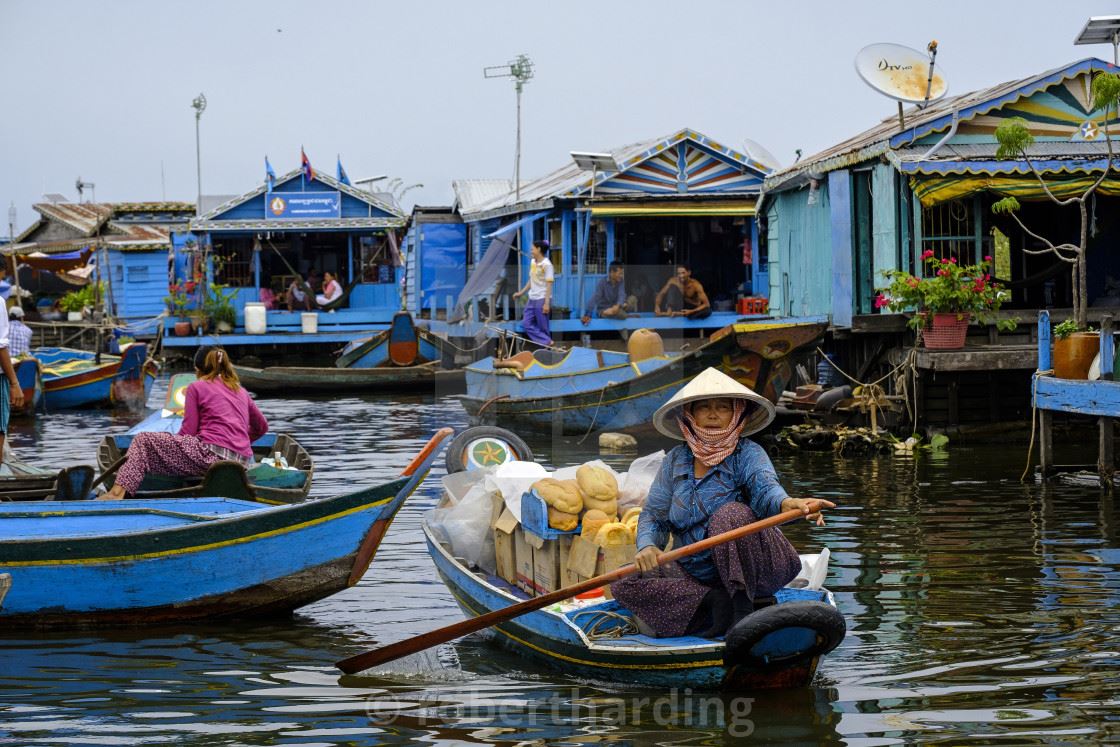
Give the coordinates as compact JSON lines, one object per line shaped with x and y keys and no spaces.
{"x":822,"y":618}
{"x":456,"y":455}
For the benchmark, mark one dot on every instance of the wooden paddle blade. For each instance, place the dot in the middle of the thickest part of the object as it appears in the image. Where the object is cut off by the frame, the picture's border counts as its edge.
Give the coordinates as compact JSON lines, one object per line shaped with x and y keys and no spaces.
{"x":409,"y":646}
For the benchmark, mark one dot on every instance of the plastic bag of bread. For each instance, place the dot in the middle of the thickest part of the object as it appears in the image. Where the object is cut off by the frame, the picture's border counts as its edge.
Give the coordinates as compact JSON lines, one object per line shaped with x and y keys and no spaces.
{"x":593,"y":520}
{"x":597,"y":483}
{"x":643,"y":471}
{"x":613,"y":534}
{"x":561,"y":520}
{"x":563,"y":495}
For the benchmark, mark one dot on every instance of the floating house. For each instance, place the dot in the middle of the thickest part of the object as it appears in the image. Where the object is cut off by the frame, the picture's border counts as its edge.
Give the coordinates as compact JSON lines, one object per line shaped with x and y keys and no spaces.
{"x":123,"y":244}
{"x":266,"y":237}
{"x":683,"y":198}
{"x":834,"y":222}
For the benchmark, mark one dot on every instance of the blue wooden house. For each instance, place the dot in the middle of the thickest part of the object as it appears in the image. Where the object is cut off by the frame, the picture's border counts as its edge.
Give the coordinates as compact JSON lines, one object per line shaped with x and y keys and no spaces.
{"x":265,"y":237}
{"x":683,"y":198}
{"x":833,"y":222}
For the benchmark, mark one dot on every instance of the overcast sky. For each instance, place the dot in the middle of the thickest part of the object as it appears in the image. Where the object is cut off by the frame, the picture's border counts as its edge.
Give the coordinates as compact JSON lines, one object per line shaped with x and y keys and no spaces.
{"x":102,"y":90}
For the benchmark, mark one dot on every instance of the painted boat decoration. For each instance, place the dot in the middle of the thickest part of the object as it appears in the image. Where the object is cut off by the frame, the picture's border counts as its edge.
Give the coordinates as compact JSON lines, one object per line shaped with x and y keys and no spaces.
{"x":20,"y":481}
{"x":585,"y":390}
{"x":177,"y":559}
{"x":261,"y":482}
{"x":30,"y":377}
{"x":401,"y":356}
{"x":777,"y":646}
{"x":74,"y":378}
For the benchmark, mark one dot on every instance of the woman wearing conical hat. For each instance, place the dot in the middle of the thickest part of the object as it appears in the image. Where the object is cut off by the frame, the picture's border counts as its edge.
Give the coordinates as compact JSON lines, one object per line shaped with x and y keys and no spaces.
{"x":717,"y":480}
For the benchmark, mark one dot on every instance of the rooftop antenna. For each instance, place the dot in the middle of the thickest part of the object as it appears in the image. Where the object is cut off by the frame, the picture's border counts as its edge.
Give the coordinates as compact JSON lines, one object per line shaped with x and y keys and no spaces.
{"x":903,"y":74}
{"x":1102,"y":30}
{"x":521,"y":70}
{"x":81,"y":187}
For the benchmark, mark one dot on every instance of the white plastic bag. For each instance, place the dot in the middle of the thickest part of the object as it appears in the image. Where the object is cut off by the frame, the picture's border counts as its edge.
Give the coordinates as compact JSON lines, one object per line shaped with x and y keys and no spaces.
{"x":634,"y":489}
{"x":466,"y":525}
{"x":514,"y":479}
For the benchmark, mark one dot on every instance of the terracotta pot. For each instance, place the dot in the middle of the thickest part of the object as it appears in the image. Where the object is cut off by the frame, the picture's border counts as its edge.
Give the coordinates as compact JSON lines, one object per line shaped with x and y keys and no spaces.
{"x":183,"y":329}
{"x":1074,"y":354}
{"x":947,"y":332}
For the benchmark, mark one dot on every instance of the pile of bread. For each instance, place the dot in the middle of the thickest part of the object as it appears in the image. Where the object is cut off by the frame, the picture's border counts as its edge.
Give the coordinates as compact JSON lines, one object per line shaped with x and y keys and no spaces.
{"x":590,"y":499}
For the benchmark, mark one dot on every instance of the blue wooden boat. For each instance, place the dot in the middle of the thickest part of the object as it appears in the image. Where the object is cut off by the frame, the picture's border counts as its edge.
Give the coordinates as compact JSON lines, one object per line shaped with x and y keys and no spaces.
{"x":30,"y":378}
{"x":582,"y":390}
{"x":170,"y":560}
{"x":261,"y":482}
{"x":75,"y":378}
{"x":401,"y":356}
{"x":783,"y":651}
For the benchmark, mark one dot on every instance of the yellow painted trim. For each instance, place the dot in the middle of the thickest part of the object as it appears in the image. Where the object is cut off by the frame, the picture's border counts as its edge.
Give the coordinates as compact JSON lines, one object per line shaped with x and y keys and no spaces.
{"x":591,"y":662}
{"x":669,"y":212}
{"x":198,"y":548}
{"x":80,"y":383}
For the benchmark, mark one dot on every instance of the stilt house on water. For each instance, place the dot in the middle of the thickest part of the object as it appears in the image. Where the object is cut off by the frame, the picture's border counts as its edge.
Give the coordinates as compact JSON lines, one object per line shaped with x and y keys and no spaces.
{"x":684,"y":198}
{"x":832,"y":223}
{"x":261,"y":240}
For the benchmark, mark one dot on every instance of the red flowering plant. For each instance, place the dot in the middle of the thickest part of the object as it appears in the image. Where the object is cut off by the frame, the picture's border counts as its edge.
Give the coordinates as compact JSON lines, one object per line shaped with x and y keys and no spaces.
{"x":952,"y":288}
{"x":181,"y":297}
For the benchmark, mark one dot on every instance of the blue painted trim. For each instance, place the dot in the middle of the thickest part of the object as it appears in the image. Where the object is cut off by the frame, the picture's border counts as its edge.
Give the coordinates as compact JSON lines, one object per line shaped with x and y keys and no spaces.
{"x":1108,"y":355}
{"x":840,"y":206}
{"x":1099,"y":398}
{"x":1045,"y":361}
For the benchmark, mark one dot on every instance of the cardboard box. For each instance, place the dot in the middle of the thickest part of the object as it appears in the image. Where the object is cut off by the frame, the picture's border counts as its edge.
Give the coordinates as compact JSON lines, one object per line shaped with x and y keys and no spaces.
{"x":550,"y":563}
{"x":504,"y":551}
{"x":587,"y":560}
{"x":523,"y":561}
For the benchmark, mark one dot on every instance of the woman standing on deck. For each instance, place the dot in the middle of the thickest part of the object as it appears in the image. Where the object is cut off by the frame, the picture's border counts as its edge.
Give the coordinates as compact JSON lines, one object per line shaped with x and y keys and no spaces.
{"x":716,"y":481}
{"x":220,"y":421}
{"x":534,"y":320}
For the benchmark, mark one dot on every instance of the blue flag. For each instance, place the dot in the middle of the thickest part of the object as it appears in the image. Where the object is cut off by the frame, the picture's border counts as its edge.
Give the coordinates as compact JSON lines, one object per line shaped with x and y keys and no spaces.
{"x":342,"y":173}
{"x":269,"y":174}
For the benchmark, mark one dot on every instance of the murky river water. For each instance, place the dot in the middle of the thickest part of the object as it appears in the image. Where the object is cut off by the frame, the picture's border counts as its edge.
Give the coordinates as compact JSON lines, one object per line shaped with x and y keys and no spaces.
{"x":979,"y":611}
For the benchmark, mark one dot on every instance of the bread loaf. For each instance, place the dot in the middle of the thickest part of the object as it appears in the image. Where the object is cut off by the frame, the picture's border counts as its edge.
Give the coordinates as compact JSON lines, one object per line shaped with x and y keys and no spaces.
{"x":610,"y":508}
{"x":561,"y":520}
{"x":597,"y":483}
{"x":631,"y":513}
{"x":613,"y":534}
{"x":563,"y":495}
{"x":593,"y":519}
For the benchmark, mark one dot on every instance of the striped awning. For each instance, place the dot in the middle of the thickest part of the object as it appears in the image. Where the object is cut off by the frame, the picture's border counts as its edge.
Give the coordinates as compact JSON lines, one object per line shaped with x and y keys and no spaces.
{"x":935,"y":190}
{"x":673,"y":208}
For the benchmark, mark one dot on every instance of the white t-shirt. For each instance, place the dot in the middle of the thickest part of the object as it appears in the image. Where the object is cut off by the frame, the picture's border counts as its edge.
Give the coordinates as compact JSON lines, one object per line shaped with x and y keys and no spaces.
{"x":540,"y":274}
{"x":4,"y":328}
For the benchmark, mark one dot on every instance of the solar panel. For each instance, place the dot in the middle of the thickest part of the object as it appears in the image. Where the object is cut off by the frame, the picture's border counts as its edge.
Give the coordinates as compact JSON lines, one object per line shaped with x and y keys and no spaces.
{"x":1099,"y":30}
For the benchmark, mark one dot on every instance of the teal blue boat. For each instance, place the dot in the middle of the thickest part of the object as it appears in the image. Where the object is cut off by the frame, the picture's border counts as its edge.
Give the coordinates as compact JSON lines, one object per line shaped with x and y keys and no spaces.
{"x":79,"y":378}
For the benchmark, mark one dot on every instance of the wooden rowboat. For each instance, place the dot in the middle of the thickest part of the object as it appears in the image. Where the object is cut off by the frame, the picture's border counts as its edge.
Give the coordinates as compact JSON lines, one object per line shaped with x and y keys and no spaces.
{"x":30,"y":379}
{"x":20,"y":481}
{"x":584,"y":390}
{"x":75,"y":378}
{"x":173,"y":560}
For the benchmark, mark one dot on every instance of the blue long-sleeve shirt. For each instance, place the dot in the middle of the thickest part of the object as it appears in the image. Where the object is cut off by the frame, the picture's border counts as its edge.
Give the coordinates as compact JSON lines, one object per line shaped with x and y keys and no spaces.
{"x":681,"y":505}
{"x":607,"y":295}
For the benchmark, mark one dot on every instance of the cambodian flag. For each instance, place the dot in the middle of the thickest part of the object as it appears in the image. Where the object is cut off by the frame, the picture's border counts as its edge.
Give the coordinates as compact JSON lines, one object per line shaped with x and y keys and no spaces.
{"x":269,"y":174}
{"x":342,"y":173}
{"x":308,"y":172}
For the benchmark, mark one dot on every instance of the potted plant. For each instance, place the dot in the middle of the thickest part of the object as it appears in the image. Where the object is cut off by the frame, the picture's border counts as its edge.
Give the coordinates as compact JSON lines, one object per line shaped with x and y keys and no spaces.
{"x":179,"y":301}
{"x":1074,"y":350}
{"x":947,"y":300}
{"x":220,"y":309}
{"x":73,"y":303}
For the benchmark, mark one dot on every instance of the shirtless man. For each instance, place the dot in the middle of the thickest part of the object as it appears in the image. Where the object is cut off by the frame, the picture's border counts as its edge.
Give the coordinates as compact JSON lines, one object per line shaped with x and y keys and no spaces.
{"x":684,"y":296}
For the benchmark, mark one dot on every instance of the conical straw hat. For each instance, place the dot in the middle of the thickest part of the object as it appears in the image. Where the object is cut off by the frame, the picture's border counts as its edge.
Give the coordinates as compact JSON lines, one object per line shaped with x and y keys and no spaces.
{"x":708,"y":384}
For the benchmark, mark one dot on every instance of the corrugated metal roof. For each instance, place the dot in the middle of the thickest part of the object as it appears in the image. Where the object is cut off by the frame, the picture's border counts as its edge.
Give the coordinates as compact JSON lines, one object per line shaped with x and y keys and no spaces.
{"x":570,"y":180}
{"x":84,"y":217}
{"x":471,"y":193}
{"x":920,"y":122}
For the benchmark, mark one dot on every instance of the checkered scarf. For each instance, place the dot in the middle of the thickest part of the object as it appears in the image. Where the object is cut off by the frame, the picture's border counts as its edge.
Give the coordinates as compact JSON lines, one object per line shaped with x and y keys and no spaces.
{"x":712,"y":445}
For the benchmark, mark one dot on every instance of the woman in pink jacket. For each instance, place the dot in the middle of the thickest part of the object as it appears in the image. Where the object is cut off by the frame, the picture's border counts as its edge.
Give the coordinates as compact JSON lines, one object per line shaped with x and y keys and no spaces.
{"x":220,"y":421}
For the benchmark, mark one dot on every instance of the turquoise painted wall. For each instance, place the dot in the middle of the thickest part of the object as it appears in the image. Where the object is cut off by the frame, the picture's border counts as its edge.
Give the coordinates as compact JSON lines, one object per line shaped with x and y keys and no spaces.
{"x":884,"y":222}
{"x":800,"y":246}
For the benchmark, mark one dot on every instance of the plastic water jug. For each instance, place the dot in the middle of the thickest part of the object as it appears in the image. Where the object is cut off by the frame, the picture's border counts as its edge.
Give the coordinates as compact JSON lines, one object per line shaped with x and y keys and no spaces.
{"x":255,"y":319}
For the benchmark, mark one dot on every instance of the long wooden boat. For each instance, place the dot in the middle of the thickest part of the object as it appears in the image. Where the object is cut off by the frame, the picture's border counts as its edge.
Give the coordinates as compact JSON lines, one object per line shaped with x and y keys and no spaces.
{"x":30,"y":377}
{"x":595,"y":390}
{"x":789,"y":637}
{"x":261,"y":482}
{"x":20,"y":481}
{"x":75,"y":378}
{"x":174,"y":559}
{"x":401,"y":356}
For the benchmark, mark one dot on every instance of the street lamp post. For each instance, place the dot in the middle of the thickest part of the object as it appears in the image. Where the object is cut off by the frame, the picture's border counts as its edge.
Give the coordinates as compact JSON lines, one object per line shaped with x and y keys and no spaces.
{"x":199,"y":105}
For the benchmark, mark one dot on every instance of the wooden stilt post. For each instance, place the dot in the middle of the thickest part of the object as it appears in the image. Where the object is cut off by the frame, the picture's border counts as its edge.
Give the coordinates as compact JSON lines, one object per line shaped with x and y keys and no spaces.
{"x":1105,"y":465}
{"x":1045,"y":435}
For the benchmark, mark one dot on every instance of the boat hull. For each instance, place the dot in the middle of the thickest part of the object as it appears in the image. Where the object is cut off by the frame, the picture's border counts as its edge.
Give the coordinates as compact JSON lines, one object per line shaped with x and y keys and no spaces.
{"x":760,"y":356}
{"x":126,"y":380}
{"x":286,"y":379}
{"x":31,"y":382}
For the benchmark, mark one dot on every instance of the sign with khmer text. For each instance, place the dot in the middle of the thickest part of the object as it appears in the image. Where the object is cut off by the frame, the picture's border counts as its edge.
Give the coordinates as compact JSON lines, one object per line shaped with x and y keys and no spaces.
{"x":302,"y":205}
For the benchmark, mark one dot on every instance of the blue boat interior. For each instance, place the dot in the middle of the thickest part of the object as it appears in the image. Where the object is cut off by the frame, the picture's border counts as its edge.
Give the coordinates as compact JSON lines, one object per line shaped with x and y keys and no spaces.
{"x":574,"y":361}
{"x":61,"y":519}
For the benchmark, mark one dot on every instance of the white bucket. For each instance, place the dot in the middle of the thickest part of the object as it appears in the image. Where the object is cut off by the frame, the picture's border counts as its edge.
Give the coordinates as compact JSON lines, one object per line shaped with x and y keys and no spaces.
{"x":255,"y":319}
{"x":309,"y":322}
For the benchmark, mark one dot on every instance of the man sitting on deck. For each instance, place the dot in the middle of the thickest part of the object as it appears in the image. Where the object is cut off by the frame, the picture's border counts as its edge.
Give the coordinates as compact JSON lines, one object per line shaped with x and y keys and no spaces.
{"x":609,"y":300}
{"x":19,"y":334}
{"x":683,"y":296}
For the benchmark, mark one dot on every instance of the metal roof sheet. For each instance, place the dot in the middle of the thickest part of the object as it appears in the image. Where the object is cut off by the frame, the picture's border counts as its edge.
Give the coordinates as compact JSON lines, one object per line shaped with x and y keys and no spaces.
{"x":471,"y":193}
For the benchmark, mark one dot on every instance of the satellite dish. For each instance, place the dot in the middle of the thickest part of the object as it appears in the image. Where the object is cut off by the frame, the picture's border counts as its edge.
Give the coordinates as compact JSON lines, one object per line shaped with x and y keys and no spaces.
{"x":901,"y":73}
{"x":754,"y":150}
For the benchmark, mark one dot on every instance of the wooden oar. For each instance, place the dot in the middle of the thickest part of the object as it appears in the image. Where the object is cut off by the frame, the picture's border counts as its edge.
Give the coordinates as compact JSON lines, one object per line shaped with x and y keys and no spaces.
{"x":395,"y":651}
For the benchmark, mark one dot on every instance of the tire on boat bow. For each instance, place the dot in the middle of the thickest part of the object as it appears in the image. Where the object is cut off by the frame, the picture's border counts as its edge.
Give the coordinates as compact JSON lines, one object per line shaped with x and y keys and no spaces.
{"x":485,"y":446}
{"x":784,"y":635}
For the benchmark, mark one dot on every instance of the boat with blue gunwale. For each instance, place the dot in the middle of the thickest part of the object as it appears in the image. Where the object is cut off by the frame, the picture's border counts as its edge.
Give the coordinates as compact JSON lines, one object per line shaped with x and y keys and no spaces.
{"x":778,"y":646}
{"x":30,"y":378}
{"x":583,"y":390}
{"x":173,"y":560}
{"x":401,"y":356}
{"x":79,"y":378}
{"x":263,"y":481}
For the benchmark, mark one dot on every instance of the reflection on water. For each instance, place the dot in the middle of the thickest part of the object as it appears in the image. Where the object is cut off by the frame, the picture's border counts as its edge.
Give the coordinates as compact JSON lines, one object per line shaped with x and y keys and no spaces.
{"x":979,"y":610}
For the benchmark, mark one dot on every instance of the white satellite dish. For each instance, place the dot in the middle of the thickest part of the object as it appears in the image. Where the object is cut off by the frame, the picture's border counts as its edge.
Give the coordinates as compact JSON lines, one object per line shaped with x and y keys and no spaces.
{"x":755,"y":151}
{"x":901,"y":73}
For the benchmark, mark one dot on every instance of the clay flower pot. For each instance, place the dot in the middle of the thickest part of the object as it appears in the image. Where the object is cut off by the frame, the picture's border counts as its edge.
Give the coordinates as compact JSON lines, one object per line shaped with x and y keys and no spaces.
{"x":1073,"y":355}
{"x":183,"y":329}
